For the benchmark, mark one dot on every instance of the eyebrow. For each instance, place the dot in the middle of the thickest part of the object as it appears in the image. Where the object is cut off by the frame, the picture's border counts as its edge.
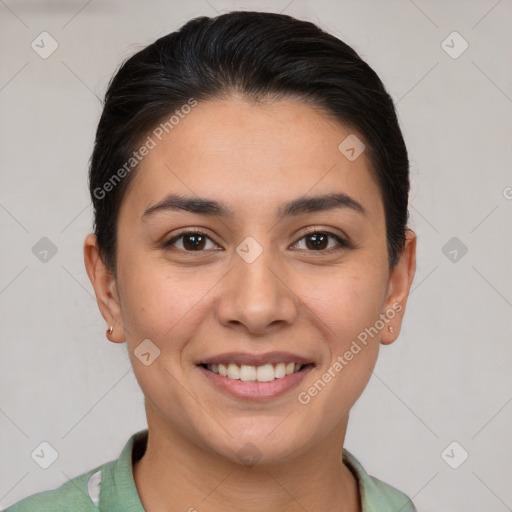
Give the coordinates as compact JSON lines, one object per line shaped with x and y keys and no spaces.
{"x":209,"y":207}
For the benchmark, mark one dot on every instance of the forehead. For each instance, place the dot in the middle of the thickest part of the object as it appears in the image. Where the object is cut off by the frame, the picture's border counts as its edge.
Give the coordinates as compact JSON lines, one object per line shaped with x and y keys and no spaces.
{"x":252,"y":155}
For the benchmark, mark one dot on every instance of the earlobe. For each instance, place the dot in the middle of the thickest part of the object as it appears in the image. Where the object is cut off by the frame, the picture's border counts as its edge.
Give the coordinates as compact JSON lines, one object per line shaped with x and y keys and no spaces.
{"x":399,"y":285}
{"x":104,"y":284}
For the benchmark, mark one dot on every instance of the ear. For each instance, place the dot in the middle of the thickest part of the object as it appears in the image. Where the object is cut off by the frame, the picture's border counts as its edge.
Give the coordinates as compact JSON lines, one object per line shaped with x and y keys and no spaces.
{"x":400,"y":281}
{"x":105,"y":288}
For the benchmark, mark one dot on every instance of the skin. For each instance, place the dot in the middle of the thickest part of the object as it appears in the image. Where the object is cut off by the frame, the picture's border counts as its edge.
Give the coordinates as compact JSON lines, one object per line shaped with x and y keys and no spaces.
{"x":293,"y":297}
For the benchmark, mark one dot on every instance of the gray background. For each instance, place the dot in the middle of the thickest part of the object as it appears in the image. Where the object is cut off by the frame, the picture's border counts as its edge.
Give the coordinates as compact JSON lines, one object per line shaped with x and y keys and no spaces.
{"x":447,"y":378}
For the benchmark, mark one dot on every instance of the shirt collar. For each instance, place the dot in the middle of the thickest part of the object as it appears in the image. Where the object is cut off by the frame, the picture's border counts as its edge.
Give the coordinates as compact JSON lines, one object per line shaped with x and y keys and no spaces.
{"x":119,"y":493}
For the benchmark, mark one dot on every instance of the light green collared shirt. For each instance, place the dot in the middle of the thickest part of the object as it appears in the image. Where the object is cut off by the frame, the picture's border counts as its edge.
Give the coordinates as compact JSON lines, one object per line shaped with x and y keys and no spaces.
{"x":111,"y":488}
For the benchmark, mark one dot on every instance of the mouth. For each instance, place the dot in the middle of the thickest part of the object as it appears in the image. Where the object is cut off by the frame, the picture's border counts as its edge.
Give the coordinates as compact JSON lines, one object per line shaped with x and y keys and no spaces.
{"x":255,"y":376}
{"x":252,"y":373}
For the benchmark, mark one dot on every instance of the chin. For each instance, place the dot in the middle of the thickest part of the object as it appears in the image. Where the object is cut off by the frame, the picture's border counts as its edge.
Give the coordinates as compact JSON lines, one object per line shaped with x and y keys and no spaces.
{"x":268,"y":444}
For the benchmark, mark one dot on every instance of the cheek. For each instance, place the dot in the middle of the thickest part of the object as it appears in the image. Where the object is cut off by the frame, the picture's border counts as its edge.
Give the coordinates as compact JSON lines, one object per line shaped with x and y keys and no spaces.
{"x":160,"y":307}
{"x":153,"y":300}
{"x":350,"y":304}
{"x":357,"y":309}
{"x":350,"y":299}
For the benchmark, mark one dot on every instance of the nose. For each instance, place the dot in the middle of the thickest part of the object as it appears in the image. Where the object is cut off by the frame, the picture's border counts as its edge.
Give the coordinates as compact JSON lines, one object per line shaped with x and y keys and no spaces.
{"x":257,"y":297}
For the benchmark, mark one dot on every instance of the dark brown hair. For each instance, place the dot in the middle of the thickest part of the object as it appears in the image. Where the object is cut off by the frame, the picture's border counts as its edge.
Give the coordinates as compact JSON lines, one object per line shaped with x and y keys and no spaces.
{"x":260,"y":56}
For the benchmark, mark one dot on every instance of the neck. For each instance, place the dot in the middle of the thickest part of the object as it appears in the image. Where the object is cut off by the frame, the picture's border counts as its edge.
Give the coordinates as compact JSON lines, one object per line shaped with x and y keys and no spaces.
{"x":176,"y":474}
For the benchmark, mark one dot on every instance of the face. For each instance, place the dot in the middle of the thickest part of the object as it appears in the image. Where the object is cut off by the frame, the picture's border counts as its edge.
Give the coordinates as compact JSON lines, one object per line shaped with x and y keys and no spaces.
{"x":262,"y":282}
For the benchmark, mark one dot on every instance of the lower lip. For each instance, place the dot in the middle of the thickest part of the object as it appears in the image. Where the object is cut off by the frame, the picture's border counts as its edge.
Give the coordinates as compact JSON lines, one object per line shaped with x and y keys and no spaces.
{"x":256,"y":390}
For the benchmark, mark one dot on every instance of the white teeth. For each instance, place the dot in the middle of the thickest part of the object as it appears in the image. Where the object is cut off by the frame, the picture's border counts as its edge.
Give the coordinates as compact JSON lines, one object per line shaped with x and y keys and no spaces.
{"x":233,"y":371}
{"x":265,"y":373}
{"x":248,"y":373}
{"x":280,"y":370}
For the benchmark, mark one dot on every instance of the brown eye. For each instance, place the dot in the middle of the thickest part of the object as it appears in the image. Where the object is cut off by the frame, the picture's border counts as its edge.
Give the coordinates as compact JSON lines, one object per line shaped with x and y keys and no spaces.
{"x":319,"y":241}
{"x":191,"y":241}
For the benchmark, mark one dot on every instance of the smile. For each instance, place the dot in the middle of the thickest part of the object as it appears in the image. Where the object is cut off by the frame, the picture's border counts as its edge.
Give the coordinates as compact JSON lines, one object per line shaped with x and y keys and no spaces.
{"x":249,"y":373}
{"x":255,"y":376}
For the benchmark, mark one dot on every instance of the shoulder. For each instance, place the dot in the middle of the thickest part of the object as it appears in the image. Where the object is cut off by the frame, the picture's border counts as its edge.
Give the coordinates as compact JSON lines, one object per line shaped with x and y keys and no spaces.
{"x":102,"y":488}
{"x":76,"y":494}
{"x":381,"y":492}
{"x":376,"y":495}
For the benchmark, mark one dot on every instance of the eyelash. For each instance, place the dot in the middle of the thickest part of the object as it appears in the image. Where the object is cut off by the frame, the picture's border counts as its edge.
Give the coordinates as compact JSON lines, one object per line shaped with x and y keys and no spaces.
{"x":342,"y":243}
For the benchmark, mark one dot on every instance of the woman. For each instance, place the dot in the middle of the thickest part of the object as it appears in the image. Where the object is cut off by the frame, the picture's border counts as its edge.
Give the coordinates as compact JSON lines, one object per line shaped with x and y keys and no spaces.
{"x":250,"y":186}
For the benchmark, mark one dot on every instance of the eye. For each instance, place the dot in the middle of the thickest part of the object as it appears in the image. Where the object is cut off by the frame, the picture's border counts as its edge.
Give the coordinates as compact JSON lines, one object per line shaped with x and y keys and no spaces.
{"x":191,"y":241}
{"x":197,"y":241}
{"x":318,"y":241}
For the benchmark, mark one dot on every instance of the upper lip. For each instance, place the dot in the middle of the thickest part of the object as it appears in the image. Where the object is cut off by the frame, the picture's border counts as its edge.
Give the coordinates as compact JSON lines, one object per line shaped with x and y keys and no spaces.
{"x":255,"y":359}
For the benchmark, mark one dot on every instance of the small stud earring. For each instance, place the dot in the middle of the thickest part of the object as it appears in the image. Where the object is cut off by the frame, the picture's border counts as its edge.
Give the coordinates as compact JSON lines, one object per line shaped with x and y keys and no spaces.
{"x":391,"y":328}
{"x":110,"y":330}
